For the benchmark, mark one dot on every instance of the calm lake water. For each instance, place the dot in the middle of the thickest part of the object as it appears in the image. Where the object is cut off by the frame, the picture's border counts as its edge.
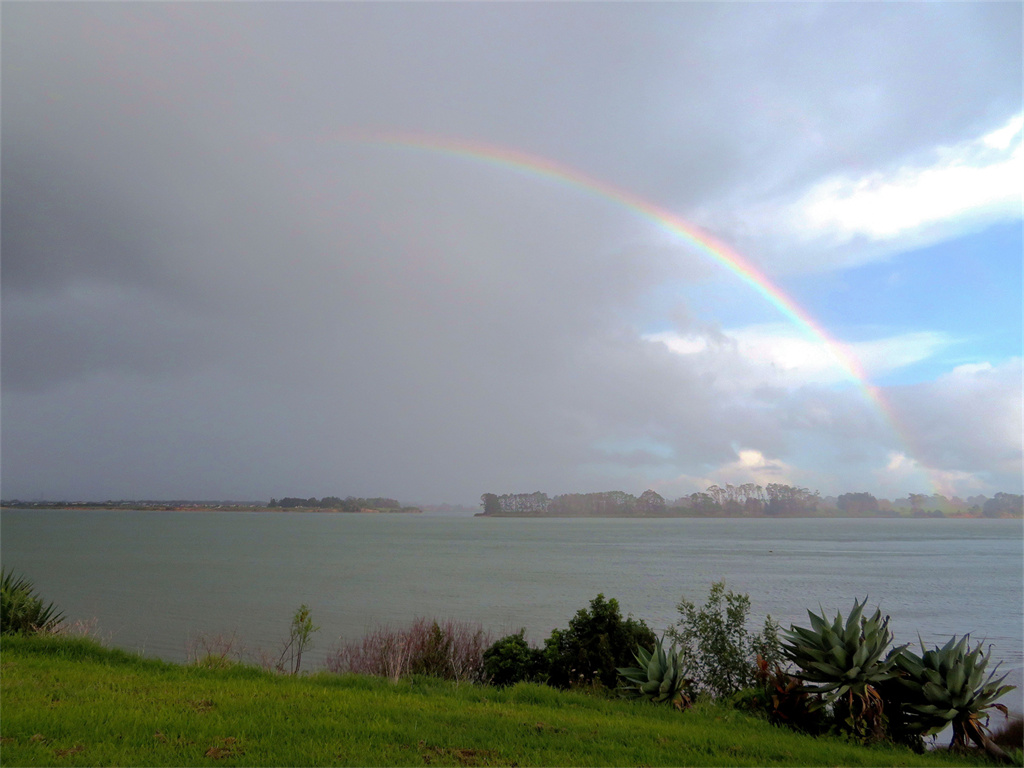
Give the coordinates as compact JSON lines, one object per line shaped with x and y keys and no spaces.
{"x":153,"y":580}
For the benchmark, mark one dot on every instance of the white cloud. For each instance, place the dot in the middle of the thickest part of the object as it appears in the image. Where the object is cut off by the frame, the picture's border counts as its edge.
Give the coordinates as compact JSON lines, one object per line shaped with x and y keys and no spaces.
{"x":965,"y":186}
{"x":1003,"y":138}
{"x":903,"y":474}
{"x":681,"y":345}
{"x":777,"y":354}
{"x":752,"y":466}
{"x":846,"y":219}
{"x":749,"y":466}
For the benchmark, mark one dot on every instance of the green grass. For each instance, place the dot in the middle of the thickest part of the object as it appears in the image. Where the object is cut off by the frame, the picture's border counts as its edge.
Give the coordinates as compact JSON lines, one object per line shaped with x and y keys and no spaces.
{"x":72,"y":702}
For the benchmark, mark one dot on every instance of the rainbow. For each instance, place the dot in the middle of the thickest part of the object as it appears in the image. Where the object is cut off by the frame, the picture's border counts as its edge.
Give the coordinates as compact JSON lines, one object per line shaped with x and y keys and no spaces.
{"x":699,"y":240}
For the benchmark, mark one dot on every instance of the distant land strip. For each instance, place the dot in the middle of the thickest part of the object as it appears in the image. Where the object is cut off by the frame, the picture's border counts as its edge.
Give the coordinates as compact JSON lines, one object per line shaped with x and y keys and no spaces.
{"x":774,"y":500}
{"x":748,"y":500}
{"x":350,"y":505}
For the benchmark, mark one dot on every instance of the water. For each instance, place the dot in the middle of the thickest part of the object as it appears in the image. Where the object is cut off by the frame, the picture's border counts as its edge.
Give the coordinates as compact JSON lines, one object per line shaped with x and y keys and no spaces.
{"x":153,"y":580}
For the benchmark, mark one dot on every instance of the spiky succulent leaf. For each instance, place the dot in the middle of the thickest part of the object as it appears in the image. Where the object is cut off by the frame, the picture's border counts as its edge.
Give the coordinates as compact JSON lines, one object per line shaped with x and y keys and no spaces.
{"x":655,"y":664}
{"x":829,"y":670}
{"x":948,"y":685}
{"x":660,"y":675}
{"x":844,"y":655}
{"x":853,"y":622}
{"x":818,"y":624}
{"x":22,"y":611}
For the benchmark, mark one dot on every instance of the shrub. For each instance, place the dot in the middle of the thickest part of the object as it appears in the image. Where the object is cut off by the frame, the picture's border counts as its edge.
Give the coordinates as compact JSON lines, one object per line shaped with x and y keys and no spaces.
{"x":512,"y":660}
{"x":1010,"y":735}
{"x":22,"y":611}
{"x":215,"y":651}
{"x":720,"y":652}
{"x":381,"y":652}
{"x":299,"y":635}
{"x":597,"y":642}
{"x":782,"y":699}
{"x":450,"y":650}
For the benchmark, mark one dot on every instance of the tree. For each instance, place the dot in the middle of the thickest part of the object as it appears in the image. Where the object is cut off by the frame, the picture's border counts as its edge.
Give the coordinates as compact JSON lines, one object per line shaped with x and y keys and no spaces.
{"x":717,"y":493}
{"x":490,"y":503}
{"x":719,"y":650}
{"x":704,"y":504}
{"x":917,"y":501}
{"x":1004,"y":505}
{"x":597,"y":642}
{"x":753,"y":507}
{"x":535,"y":503}
{"x":752,"y":491}
{"x":857,"y":504}
{"x":650,"y":502}
{"x":790,"y":500}
{"x":732,"y":508}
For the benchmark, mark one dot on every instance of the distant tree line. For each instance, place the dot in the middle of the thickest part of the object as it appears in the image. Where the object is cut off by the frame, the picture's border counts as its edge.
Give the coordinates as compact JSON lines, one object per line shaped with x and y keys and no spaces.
{"x":751,"y":500}
{"x":348,"y":504}
{"x":747,"y":500}
{"x":604,"y":504}
{"x":1003,"y":505}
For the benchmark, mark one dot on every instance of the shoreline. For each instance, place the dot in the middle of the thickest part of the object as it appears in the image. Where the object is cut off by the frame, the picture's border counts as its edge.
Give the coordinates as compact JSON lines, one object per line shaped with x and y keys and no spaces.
{"x":201,"y":508}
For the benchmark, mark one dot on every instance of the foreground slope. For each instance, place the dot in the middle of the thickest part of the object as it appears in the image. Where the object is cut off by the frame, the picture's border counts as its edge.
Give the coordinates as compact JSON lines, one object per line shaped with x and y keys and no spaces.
{"x":72,"y":702}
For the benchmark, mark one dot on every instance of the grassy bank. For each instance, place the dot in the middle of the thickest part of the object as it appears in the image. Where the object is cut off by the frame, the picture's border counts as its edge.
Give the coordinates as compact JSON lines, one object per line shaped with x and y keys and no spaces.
{"x":72,"y":702}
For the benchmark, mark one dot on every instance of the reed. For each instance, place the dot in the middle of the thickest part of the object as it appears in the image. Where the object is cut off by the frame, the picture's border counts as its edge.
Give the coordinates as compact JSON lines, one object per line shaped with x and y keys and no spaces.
{"x":448,"y":649}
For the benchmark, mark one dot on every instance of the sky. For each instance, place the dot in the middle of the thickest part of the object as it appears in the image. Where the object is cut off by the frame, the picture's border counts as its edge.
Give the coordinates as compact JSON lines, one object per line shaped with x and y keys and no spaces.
{"x":428,"y":251}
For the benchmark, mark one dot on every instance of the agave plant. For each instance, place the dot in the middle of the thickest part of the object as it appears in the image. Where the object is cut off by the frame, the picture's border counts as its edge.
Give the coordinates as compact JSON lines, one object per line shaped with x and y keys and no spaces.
{"x":844,"y":663}
{"x":22,"y":612}
{"x":948,"y":685}
{"x":659,"y":676}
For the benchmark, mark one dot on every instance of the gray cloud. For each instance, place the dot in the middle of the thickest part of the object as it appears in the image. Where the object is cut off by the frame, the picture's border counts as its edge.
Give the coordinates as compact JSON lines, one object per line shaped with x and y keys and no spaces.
{"x":208,"y":291}
{"x":968,"y":420}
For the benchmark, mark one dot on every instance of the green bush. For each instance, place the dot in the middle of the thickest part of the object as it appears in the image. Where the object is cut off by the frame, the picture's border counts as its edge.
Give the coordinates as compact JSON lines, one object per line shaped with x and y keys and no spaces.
{"x":721,"y":653}
{"x":597,"y":642}
{"x":22,"y":611}
{"x":511,"y":660}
